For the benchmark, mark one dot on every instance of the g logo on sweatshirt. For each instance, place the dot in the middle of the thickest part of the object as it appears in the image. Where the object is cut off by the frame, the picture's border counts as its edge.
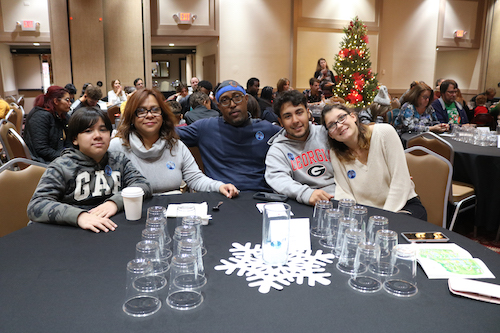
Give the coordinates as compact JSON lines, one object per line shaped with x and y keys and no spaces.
{"x":316,"y":171}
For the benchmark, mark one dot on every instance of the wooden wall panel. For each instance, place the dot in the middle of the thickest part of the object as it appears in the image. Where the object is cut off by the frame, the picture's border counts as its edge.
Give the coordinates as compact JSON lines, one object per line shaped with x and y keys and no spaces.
{"x":87,"y":42}
{"x":59,"y":42}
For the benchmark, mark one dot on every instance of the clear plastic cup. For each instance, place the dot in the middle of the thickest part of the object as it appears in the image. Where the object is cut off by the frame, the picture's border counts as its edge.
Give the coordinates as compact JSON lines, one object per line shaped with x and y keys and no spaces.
{"x":345,"y":206}
{"x":319,"y":218}
{"x":359,"y":213}
{"x":345,"y":223}
{"x":275,"y":233}
{"x":141,"y":297}
{"x":376,"y":223}
{"x":332,"y":220}
{"x":196,"y":222}
{"x":386,"y":241}
{"x":363,"y":279}
{"x":182,"y":292}
{"x":403,"y":281}
{"x":346,"y":260}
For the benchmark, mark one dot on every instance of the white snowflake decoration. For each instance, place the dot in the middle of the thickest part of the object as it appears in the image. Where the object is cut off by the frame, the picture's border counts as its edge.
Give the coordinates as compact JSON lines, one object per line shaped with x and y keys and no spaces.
{"x":249,"y":262}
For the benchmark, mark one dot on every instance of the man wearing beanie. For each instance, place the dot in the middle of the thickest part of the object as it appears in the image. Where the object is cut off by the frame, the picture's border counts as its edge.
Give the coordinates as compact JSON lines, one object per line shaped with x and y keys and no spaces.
{"x":233,"y":147}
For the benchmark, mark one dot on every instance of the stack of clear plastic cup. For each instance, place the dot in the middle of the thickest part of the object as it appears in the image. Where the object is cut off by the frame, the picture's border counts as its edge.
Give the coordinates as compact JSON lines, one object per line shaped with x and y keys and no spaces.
{"x":376,"y":223}
{"x":183,"y":294}
{"x":193,"y":247}
{"x":141,"y":297}
{"x":403,"y":280}
{"x":196,"y":222}
{"x":150,"y":250}
{"x":346,"y":260}
{"x":345,"y":223}
{"x":182,"y":232}
{"x":319,"y":217}
{"x":331,"y":226}
{"x":158,"y":235}
{"x":363,"y":279}
{"x":184,"y":210}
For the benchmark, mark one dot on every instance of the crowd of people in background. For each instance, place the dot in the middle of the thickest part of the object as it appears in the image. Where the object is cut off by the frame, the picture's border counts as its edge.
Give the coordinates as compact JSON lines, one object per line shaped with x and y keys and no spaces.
{"x":308,"y":145}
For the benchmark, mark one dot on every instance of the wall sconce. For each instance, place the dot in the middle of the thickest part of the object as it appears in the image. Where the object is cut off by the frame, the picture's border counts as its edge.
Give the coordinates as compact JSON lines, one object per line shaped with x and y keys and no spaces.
{"x":459,"y":33}
{"x":27,"y":25}
{"x":184,"y":18}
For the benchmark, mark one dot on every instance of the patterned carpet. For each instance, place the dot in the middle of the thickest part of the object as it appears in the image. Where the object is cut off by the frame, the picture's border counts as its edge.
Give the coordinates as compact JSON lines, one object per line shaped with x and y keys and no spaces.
{"x":487,"y":241}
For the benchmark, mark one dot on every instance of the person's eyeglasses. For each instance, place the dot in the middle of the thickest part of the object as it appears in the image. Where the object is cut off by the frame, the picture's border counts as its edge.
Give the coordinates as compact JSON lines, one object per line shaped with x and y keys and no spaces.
{"x":333,"y":126}
{"x":452,"y":92}
{"x":226,"y":101}
{"x":143,"y":112}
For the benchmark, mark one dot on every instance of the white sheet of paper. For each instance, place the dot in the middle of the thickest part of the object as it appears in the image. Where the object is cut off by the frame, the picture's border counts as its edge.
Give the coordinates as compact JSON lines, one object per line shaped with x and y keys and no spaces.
{"x":260,"y":207}
{"x":300,"y":239}
{"x":201,"y":209}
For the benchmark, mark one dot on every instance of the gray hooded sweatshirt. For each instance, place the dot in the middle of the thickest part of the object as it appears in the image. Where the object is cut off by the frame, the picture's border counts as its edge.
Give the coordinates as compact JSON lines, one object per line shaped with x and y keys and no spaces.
{"x":297,"y":168}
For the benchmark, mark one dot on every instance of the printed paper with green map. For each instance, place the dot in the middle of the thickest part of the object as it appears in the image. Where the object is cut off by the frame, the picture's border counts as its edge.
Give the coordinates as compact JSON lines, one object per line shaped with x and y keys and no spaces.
{"x":443,"y":261}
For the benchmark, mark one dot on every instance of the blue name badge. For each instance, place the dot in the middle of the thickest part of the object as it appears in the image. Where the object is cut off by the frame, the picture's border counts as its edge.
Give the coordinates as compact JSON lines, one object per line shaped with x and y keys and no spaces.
{"x":351,"y":174}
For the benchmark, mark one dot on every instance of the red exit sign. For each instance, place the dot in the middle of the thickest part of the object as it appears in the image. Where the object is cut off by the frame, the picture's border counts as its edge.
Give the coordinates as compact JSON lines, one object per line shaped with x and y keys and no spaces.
{"x":28,"y":25}
{"x":185,"y":18}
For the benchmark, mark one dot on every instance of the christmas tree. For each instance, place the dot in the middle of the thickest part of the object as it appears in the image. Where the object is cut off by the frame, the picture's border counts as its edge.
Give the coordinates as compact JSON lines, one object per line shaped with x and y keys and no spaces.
{"x":356,"y":83}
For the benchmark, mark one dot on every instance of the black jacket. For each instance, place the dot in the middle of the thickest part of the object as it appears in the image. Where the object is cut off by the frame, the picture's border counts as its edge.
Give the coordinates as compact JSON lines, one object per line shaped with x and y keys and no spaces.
{"x":45,"y":134}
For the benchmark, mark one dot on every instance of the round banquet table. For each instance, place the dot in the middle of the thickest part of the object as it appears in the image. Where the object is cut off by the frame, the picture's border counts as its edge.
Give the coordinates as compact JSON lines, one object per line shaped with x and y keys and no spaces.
{"x":479,"y":166}
{"x":57,"y":278}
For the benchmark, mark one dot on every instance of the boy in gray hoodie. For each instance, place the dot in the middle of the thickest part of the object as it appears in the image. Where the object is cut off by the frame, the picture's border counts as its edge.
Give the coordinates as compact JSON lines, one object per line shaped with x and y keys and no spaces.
{"x":298,"y":161}
{"x":82,"y":186}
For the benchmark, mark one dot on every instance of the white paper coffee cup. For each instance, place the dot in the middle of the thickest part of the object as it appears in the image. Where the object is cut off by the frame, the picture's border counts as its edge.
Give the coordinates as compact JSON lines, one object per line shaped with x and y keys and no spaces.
{"x":132,"y":200}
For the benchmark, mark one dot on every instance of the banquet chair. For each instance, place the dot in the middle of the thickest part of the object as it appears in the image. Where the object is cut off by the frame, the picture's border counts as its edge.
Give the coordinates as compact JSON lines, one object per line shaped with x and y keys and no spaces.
{"x":461,"y":193}
{"x":484,"y":119}
{"x":12,"y":143}
{"x":433,"y":187}
{"x":17,"y":190}
{"x":16,"y":116}
{"x":112,"y":110}
{"x":195,"y":151}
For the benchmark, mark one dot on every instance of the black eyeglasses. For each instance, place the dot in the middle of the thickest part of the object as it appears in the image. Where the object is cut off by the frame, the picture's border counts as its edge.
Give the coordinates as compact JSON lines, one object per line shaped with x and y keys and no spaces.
{"x":143,"y":112}
{"x":333,"y":126}
{"x":226,"y":100}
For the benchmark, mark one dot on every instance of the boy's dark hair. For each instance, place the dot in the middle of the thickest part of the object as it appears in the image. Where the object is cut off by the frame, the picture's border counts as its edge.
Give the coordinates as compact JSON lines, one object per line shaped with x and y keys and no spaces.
{"x":198,"y":98}
{"x":295,"y":97}
{"x":175,"y":106}
{"x":70,"y":88}
{"x":313,"y":80}
{"x":94,"y":93}
{"x":251,"y":81}
{"x":84,"y":118}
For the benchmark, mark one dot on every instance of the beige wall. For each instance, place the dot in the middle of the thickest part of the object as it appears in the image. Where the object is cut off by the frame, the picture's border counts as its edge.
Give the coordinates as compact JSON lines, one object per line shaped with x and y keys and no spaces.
{"x":255,"y":40}
{"x":203,"y":50}
{"x":493,"y":68}
{"x":407,"y":49}
{"x":7,"y":72}
{"x":36,"y":10}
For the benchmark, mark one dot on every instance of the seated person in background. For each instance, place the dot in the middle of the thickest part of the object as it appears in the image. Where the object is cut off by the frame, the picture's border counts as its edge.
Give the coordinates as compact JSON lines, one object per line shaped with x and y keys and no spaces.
{"x":370,"y":165}
{"x":194,"y":84}
{"x":200,"y":108}
{"x":45,"y":129}
{"x":282,"y":85}
{"x":176,"y":110}
{"x":72,"y":91}
{"x":490,"y":97}
{"x":82,"y":187}
{"x":417,"y":112}
{"x":447,"y":109}
{"x":298,"y":161}
{"x":437,"y":92}
{"x":253,"y":107}
{"x":147,"y":137}
{"x":90,"y":98}
{"x":129,"y":91}
{"x":138,"y":83}
{"x":402,"y":99}
{"x":4,"y":108}
{"x":376,"y":111}
{"x":253,"y":85}
{"x":266,"y":105}
{"x":180,"y":92}
{"x":117,"y":95}
{"x":480,"y":105}
{"x":314,"y":94}
{"x":203,"y":86}
{"x":233,"y":147}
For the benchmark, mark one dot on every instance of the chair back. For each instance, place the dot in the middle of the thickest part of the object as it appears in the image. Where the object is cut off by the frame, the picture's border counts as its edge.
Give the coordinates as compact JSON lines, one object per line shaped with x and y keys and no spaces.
{"x":431,"y":174}
{"x":16,"y":116}
{"x":17,"y":189}
{"x":484,"y":119}
{"x":435,"y":143}
{"x":13,"y":143}
{"x":112,"y":110}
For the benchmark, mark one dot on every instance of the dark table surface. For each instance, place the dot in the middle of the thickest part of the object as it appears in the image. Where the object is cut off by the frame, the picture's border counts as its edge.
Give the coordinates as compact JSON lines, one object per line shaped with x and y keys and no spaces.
{"x":63,"y":279}
{"x":479,"y":166}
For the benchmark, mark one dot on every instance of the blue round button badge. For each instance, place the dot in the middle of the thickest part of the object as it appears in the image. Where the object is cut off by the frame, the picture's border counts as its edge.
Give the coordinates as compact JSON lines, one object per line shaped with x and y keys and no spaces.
{"x":171,"y":165}
{"x":259,"y":135}
{"x":290,"y":156}
{"x":351,"y":174}
{"x":107,"y":170}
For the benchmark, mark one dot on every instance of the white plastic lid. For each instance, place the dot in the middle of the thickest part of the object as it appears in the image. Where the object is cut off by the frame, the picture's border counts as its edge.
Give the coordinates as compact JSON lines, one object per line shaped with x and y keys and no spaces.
{"x":132,"y":192}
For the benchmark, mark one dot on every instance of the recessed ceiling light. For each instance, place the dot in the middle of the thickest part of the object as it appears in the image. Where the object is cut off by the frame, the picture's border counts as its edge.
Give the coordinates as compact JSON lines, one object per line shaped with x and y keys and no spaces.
{"x":171,"y":44}
{"x":36,"y":44}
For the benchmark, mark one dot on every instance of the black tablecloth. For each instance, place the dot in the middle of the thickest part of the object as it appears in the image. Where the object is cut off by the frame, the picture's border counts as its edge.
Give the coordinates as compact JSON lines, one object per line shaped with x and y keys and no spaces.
{"x":64,"y":279}
{"x":479,"y":166}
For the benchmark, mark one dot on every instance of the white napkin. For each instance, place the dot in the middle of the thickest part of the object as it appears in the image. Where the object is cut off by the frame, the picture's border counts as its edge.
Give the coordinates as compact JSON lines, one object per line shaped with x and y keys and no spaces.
{"x":201,"y":209}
